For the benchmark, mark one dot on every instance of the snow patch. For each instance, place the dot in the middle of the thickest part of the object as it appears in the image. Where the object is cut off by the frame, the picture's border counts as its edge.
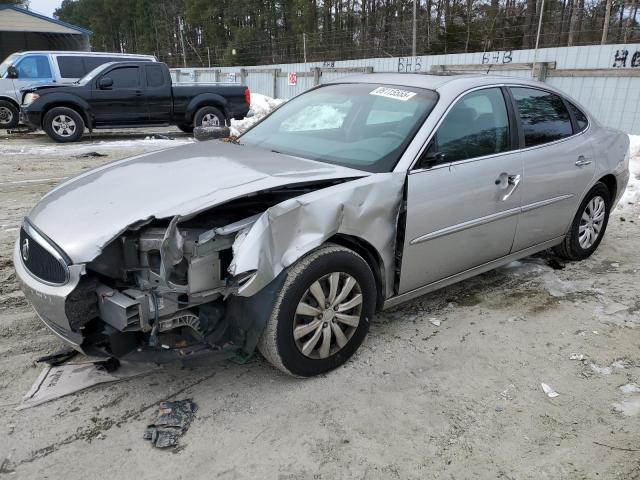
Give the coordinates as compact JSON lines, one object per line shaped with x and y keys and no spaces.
{"x":631,"y":195}
{"x":261,"y":106}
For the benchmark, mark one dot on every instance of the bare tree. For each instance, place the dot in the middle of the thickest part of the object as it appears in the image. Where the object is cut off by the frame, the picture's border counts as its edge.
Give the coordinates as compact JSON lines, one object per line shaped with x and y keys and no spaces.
{"x":573,"y":23}
{"x":607,"y":19}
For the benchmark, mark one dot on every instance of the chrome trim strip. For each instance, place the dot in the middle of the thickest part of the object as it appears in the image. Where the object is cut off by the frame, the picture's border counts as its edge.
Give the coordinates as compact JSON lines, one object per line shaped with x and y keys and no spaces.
{"x":44,"y":243}
{"x":485,"y":267}
{"x":544,"y":203}
{"x":466,"y":225}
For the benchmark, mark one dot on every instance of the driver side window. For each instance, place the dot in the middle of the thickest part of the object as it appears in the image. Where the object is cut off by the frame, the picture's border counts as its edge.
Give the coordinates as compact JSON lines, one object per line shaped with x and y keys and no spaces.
{"x":34,"y":67}
{"x":476,"y":126}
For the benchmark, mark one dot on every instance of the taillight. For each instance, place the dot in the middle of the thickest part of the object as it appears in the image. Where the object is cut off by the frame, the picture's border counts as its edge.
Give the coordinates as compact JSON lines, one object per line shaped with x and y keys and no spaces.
{"x":247,"y":96}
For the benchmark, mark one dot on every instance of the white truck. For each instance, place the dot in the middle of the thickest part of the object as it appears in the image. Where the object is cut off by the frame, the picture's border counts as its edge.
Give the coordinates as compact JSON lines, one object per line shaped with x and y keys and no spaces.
{"x":23,"y":69}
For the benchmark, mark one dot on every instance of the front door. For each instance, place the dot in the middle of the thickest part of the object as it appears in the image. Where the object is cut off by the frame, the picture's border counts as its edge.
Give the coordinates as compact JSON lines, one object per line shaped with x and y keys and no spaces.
{"x":123,"y":102}
{"x":463,"y":199}
{"x":32,"y":69}
{"x":558,"y":164}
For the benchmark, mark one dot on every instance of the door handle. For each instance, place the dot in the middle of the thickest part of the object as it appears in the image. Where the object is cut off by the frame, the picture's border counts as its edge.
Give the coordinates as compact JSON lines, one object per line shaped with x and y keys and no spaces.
{"x":582,"y":161}
{"x":512,"y":183}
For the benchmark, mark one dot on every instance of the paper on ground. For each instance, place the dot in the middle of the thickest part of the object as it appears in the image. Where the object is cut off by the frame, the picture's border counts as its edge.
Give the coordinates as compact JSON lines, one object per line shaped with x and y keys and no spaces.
{"x":551,"y":393}
{"x":56,"y":382}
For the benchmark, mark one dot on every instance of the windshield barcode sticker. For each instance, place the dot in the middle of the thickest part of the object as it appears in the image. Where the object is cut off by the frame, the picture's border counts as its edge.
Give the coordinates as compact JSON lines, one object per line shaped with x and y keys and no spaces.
{"x":395,"y":93}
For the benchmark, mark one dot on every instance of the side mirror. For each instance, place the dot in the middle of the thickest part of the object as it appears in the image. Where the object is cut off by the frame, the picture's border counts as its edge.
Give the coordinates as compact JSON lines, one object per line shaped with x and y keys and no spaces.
{"x":430,"y":159}
{"x":12,"y":72}
{"x":105,"y":83}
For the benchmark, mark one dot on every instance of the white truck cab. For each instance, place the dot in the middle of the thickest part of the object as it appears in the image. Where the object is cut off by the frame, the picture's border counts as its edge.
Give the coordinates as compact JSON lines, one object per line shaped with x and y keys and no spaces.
{"x":22,"y":69}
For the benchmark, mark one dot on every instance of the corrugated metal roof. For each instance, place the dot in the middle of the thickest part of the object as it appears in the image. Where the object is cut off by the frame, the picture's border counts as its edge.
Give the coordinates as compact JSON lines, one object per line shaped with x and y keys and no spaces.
{"x":16,"y":19}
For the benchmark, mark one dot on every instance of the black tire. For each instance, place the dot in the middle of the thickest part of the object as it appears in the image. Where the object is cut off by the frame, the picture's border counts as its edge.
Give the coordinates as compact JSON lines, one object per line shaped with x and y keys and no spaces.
{"x":186,"y":128}
{"x":277,"y":343}
{"x":204,"y":111}
{"x":62,"y":135}
{"x":9,"y":115}
{"x":570,"y":248}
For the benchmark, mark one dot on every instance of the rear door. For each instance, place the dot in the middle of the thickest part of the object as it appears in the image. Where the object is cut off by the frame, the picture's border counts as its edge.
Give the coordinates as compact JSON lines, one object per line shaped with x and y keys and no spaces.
{"x":158,"y":93}
{"x":463,"y":199}
{"x":558,"y":164}
{"x":123,"y":103}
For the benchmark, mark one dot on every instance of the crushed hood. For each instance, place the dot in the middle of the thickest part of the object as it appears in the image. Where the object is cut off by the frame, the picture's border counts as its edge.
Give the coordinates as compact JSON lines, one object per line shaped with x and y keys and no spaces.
{"x":83,"y":214}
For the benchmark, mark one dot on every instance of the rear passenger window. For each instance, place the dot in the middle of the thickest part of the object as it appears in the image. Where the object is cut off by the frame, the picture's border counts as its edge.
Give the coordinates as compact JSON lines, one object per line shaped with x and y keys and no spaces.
{"x":126,"y":77}
{"x":476,"y":126}
{"x":155,"y":76}
{"x":581,"y":118}
{"x":71,"y":67}
{"x":543,"y":115}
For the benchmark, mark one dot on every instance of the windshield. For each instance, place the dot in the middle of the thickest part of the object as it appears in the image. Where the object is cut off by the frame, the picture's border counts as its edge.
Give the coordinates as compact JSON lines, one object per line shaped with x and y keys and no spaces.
{"x":7,"y":63}
{"x":359,"y":125}
{"x":93,"y":73}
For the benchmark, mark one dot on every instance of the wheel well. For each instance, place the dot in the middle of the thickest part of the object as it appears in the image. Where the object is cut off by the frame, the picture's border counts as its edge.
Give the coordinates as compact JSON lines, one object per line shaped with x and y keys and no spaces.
{"x":73,"y":107}
{"x":11,"y":101}
{"x":210,"y":103}
{"x":370,"y":255}
{"x":611,"y":184}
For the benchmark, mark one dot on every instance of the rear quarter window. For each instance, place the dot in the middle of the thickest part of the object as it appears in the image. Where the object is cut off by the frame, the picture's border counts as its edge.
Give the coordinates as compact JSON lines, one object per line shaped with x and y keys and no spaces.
{"x":71,"y":67}
{"x":581,"y":119}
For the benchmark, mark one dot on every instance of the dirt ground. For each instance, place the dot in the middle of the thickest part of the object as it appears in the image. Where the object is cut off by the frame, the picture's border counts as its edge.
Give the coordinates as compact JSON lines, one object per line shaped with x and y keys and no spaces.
{"x":446,"y":387}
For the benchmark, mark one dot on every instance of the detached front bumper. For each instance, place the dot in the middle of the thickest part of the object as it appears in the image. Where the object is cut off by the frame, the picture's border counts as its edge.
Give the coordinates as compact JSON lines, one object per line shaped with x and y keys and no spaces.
{"x":49,"y":300}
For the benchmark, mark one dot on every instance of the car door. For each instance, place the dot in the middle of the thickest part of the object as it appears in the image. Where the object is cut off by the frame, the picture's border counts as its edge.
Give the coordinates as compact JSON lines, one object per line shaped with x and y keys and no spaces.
{"x":123,"y":102}
{"x":558,"y":164}
{"x":32,"y":69}
{"x":158,"y":94}
{"x":463,"y":199}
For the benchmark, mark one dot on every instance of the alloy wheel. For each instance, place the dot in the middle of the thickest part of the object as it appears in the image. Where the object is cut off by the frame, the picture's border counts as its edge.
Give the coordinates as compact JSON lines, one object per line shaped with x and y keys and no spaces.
{"x":591,"y":222}
{"x":63,"y":125}
{"x":328,"y":315}
{"x":6,"y":116}
{"x":210,"y":120}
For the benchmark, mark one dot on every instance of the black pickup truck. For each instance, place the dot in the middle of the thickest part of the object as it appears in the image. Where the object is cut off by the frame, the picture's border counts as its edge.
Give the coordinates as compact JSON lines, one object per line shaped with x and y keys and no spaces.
{"x":129,"y":94}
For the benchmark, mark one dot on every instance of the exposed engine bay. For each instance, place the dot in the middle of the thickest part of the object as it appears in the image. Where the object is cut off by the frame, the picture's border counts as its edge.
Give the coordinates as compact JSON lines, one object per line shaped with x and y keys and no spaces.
{"x":167,"y":287}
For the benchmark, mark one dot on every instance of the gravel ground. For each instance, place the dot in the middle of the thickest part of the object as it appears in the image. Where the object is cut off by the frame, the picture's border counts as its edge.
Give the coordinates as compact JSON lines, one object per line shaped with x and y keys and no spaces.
{"x":447,"y":386}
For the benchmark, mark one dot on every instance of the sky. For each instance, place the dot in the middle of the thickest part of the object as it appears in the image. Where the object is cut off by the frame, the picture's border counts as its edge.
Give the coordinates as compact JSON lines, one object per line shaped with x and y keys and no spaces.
{"x":45,"y":7}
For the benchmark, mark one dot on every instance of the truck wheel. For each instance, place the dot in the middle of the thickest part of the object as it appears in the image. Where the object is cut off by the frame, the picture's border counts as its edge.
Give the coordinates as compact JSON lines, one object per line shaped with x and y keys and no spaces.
{"x":209,"y":117}
{"x":321,"y":314}
{"x":9,"y":115}
{"x":186,"y":128}
{"x":63,"y":124}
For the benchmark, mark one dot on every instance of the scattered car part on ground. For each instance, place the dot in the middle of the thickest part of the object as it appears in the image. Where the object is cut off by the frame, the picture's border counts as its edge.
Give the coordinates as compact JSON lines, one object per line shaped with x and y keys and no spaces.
{"x":126,"y":95}
{"x":211,"y":133}
{"x":355,"y":196}
{"x":172,"y":421}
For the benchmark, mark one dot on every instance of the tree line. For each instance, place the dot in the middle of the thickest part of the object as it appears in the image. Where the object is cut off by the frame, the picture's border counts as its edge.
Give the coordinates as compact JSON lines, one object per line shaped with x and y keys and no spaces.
{"x":252,"y":32}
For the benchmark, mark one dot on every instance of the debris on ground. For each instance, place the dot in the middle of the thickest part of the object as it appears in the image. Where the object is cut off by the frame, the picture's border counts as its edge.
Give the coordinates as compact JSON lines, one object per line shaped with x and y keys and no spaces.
{"x":61,"y":380}
{"x":158,"y":136}
{"x":171,"y":423}
{"x":91,"y":155}
{"x":435,"y":322}
{"x":58,"y":358}
{"x":551,"y":393}
{"x":629,"y":408}
{"x":577,"y":356}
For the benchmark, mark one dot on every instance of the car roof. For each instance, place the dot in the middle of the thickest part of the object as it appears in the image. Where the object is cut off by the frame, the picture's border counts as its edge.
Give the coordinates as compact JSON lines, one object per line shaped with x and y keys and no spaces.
{"x":437,"y":82}
{"x":86,"y":54}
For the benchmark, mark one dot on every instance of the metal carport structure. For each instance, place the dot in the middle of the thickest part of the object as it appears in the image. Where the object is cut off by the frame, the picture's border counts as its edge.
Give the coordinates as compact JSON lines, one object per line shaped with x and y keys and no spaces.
{"x":22,"y":30}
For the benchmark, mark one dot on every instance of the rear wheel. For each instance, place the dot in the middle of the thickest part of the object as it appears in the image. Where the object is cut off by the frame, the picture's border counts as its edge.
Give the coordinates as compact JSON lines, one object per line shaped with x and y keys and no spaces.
{"x":9,"y":115}
{"x":588,"y":225}
{"x":321,"y":314}
{"x":209,"y":117}
{"x":63,"y":124}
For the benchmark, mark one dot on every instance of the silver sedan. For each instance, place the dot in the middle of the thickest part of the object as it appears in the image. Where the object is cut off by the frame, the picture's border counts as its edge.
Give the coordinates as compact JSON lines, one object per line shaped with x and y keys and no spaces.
{"x":352,"y":197}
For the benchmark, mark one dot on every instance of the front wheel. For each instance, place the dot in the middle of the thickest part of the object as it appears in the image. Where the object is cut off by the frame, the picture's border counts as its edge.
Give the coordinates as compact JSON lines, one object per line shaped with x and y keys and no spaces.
{"x":321,"y":314}
{"x":63,"y":124}
{"x":588,"y":225}
{"x":9,"y":116}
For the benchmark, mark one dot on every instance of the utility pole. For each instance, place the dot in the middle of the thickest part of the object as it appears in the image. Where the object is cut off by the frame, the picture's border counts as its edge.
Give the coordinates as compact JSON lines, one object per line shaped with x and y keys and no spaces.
{"x":413,"y":45}
{"x":304,"y":49}
{"x":605,"y":27}
{"x":209,"y":56}
{"x":535,"y":52}
{"x":184,"y":52}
